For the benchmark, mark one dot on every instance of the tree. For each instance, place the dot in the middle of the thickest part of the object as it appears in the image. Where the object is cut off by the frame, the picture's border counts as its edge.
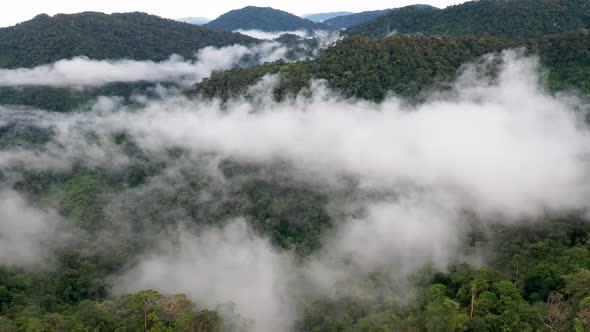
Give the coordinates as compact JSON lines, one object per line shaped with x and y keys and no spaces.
{"x":94,"y":315}
{"x":517,"y":264}
{"x":54,"y":323}
{"x":171,"y":307}
{"x":578,"y":285}
{"x":139,"y":306}
{"x":6,"y":325}
{"x":442,"y":313}
{"x":584,"y":312}
{"x":477,"y":285}
{"x":555,"y":313}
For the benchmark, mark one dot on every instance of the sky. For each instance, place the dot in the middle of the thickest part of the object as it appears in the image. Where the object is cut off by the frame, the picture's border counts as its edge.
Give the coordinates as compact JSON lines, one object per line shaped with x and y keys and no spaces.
{"x":22,"y":10}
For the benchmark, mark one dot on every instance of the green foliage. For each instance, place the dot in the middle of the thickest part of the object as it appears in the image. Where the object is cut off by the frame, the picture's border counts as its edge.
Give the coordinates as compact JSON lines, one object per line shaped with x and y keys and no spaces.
{"x":519,"y":289}
{"x":405,"y":65}
{"x":80,"y":199}
{"x":137,"y":36}
{"x":142,"y":311}
{"x":483,"y":17}
{"x":443,"y":302}
{"x":69,"y":99}
{"x":294,"y":216}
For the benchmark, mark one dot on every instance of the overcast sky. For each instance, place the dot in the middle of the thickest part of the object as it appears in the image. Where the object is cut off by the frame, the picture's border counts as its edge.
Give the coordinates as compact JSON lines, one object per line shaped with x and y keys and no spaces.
{"x":22,"y":10}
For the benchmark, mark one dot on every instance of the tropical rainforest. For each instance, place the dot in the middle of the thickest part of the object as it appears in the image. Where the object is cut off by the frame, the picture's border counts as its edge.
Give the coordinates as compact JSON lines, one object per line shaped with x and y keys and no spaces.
{"x":406,"y":65}
{"x":428,"y":171}
{"x":137,"y":36}
{"x":484,"y":17}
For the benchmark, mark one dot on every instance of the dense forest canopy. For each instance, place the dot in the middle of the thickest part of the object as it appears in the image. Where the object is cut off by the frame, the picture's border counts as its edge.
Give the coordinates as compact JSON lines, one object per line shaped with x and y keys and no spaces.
{"x":437,"y":182}
{"x":484,"y":17}
{"x":138,"y":36}
{"x":406,"y":65}
{"x":264,"y":19}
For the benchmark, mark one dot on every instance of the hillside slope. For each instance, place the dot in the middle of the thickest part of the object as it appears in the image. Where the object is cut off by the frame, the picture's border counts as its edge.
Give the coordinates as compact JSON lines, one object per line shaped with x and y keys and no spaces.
{"x":406,"y":65}
{"x":264,"y":19}
{"x":138,"y":36}
{"x":489,"y":17}
{"x":321,"y":17}
{"x":347,"y":21}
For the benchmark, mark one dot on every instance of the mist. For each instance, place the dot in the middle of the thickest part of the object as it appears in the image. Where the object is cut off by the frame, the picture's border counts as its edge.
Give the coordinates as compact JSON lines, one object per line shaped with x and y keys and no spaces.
{"x":501,"y":149}
{"x":28,"y":233}
{"x":325,"y":38}
{"x":266,"y":35}
{"x":229,"y":265}
{"x":496,"y":146}
{"x":84,"y":72}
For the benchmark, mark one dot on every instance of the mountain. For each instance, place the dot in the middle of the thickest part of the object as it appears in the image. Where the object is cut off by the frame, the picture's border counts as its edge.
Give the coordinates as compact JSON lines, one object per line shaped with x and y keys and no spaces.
{"x":483,"y":17}
{"x":194,"y":20}
{"x":264,"y":19}
{"x":406,"y":65}
{"x":321,"y":17}
{"x":347,"y":21}
{"x":138,"y":36}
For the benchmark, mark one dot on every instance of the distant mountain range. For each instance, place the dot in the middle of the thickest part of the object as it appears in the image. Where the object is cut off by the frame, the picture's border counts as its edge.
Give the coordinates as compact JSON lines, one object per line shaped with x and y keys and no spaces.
{"x":194,"y":20}
{"x":264,"y":19}
{"x":139,"y":36}
{"x":321,"y":17}
{"x":346,"y":21}
{"x":484,"y":17}
{"x":351,"y":19}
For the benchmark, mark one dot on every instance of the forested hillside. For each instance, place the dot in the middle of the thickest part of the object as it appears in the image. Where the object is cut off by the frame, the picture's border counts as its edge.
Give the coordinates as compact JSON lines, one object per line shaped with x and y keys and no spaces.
{"x":484,"y":17}
{"x":264,"y":19}
{"x":439,"y":184}
{"x":406,"y":65}
{"x":346,"y":21}
{"x":137,"y":36}
{"x":321,"y":17}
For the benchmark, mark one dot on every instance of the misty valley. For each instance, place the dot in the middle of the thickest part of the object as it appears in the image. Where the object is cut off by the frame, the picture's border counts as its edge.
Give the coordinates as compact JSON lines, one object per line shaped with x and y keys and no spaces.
{"x":401,"y":169}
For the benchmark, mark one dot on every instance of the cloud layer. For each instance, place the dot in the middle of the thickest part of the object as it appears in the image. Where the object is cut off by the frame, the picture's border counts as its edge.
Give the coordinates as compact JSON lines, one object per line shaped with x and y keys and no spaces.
{"x":27,"y":233}
{"x":500,"y":149}
{"x":84,"y":72}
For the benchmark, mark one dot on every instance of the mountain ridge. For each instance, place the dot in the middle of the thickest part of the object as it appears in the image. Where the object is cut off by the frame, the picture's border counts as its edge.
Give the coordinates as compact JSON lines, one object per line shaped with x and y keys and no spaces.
{"x":321,"y":17}
{"x":507,"y":18}
{"x":264,"y":19}
{"x":347,"y":21}
{"x":138,"y":36}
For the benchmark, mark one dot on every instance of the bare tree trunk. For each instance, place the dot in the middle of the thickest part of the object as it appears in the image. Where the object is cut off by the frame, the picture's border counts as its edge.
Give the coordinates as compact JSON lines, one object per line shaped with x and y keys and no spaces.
{"x":472,"y":302}
{"x":555,"y":314}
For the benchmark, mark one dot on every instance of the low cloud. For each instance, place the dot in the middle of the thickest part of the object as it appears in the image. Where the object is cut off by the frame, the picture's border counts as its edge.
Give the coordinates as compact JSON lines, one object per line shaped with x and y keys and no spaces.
{"x":28,"y":234}
{"x":497,"y":147}
{"x":229,"y":266}
{"x":324,"y":38}
{"x":265,"y":35}
{"x":84,"y":72}
{"x":499,"y":150}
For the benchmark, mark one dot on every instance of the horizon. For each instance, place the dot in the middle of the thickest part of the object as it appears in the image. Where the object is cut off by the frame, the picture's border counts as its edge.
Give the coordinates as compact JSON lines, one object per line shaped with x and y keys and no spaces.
{"x":175,"y":9}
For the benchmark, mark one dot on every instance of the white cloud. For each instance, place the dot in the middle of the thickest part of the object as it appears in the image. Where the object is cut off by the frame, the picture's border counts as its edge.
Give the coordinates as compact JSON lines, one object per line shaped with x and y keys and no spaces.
{"x":27,"y":233}
{"x":229,"y":265}
{"x":503,"y":150}
{"x":84,"y":72}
